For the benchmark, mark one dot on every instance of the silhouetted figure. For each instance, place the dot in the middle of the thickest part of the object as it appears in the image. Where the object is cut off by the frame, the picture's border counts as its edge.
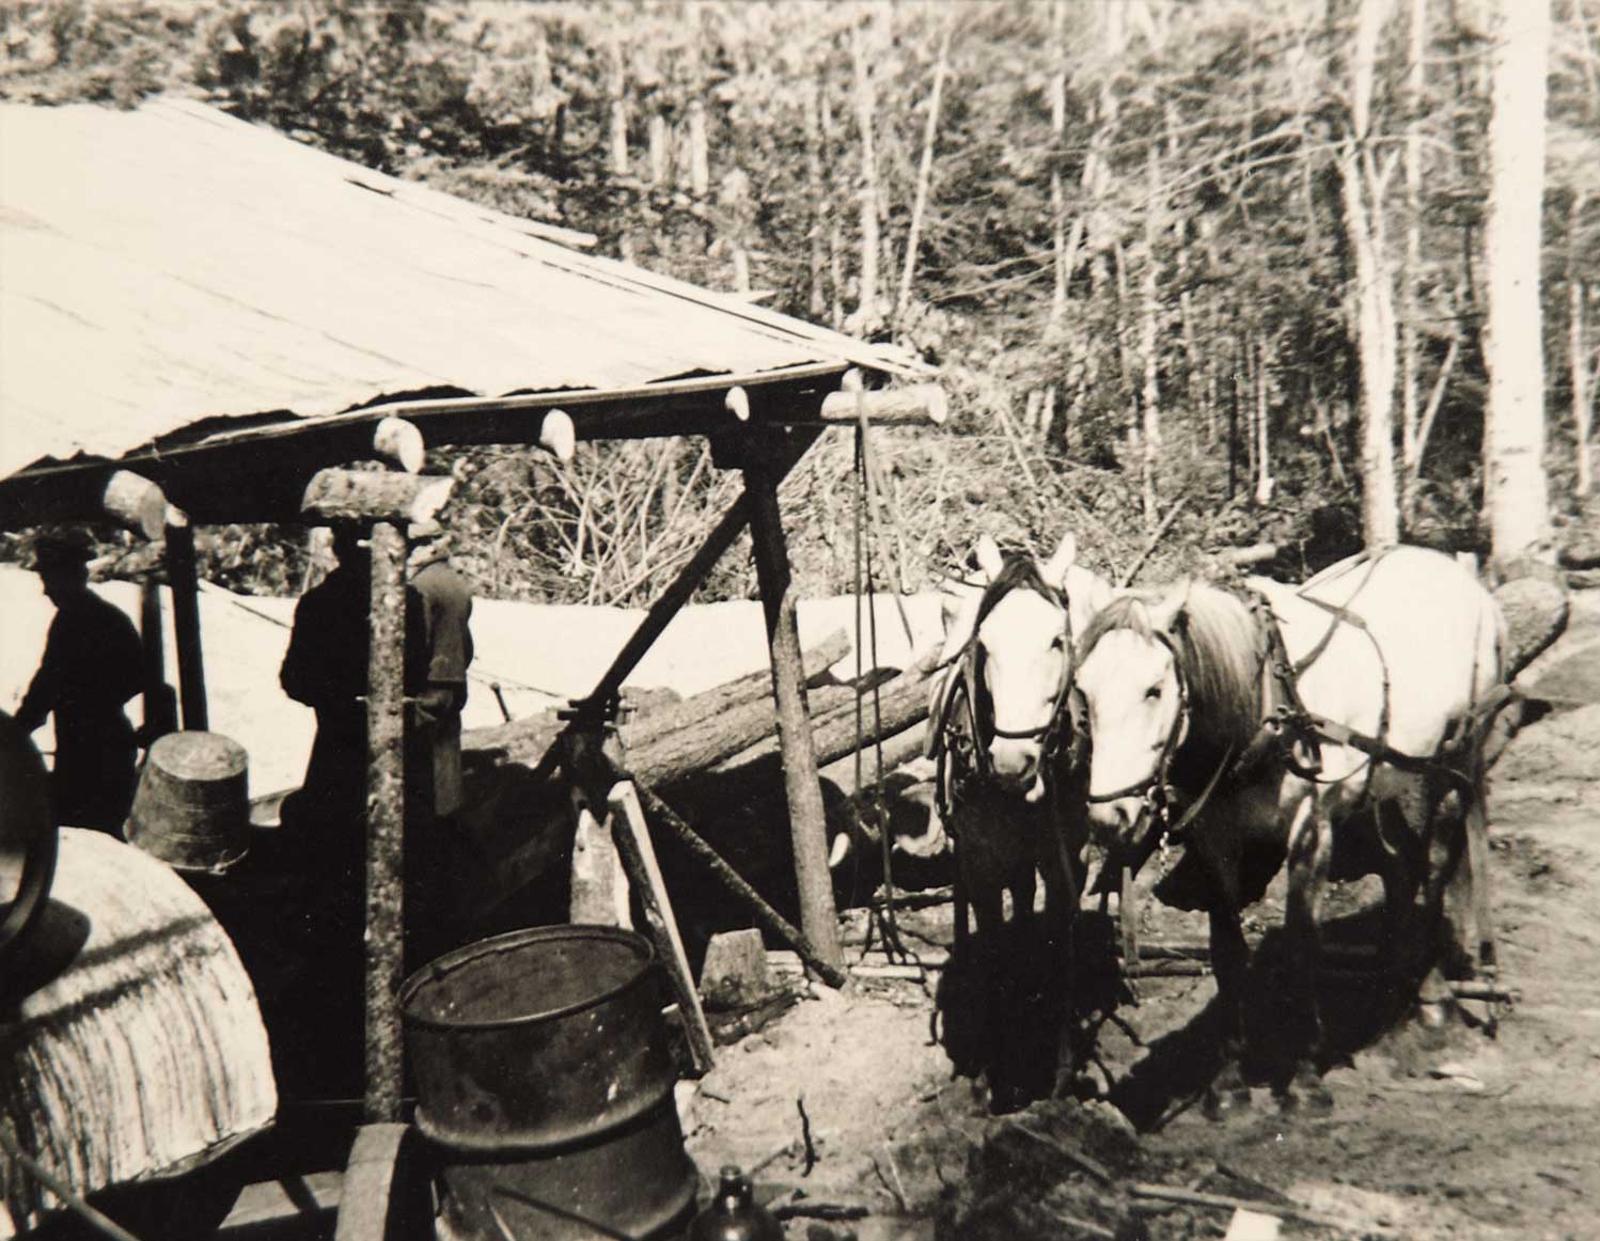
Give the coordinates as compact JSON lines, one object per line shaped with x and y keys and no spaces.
{"x":91,"y":667}
{"x":326,"y":668}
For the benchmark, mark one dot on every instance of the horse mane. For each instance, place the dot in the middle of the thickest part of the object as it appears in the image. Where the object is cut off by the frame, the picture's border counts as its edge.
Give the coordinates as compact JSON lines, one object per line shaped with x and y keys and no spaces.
{"x":1217,"y":643}
{"x":1019,"y":571}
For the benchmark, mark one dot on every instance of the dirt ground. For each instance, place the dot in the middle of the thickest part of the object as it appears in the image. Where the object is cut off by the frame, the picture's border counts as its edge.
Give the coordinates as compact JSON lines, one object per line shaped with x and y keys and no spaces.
{"x":1461,"y":1133}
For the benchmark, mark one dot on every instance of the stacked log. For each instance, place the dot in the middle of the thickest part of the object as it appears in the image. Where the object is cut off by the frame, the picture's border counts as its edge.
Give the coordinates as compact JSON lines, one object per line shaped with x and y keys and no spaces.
{"x":714,"y":749}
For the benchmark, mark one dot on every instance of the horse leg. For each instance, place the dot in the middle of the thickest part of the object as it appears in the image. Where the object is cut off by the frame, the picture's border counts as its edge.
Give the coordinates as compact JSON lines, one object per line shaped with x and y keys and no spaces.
{"x":1477,"y":829}
{"x":1228,"y":1093}
{"x":1310,"y":851}
{"x":1055,"y":864}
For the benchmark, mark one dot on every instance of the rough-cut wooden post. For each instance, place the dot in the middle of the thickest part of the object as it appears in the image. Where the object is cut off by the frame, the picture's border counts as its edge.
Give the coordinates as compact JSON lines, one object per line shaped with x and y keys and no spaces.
{"x":153,"y":674}
{"x":632,"y":835}
{"x":185,"y":584}
{"x":385,"y":822}
{"x":599,"y":887}
{"x":807,"y":819}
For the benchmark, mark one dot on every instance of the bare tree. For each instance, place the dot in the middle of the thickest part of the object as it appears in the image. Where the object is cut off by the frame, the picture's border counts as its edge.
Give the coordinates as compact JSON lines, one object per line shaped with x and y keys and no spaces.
{"x":1363,"y":186}
{"x":1515,"y":490}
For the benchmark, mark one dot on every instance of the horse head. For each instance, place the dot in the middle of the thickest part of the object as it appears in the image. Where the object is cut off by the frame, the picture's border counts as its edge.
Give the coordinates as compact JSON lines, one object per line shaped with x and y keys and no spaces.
{"x":1134,"y":696}
{"x":1164,"y":678}
{"x":1019,"y":633}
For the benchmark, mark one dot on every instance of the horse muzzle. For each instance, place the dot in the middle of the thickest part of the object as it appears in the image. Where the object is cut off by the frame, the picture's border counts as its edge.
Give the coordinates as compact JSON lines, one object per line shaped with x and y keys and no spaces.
{"x":1016,"y":768}
{"x":1112,"y":820}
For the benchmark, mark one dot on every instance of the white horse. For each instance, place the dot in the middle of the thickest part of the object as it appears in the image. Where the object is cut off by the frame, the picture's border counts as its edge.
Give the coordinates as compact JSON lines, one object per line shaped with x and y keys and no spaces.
{"x":1330,"y":748}
{"x":1002,"y":699}
{"x":1009,"y":785}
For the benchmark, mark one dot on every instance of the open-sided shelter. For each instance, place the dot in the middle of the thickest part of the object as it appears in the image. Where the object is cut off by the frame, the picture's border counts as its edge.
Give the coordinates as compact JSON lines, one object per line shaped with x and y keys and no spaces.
{"x":216,"y":312}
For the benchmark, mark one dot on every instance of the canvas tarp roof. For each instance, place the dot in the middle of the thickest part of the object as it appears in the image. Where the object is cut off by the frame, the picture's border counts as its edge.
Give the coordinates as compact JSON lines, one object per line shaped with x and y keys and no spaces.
{"x":172,"y":264}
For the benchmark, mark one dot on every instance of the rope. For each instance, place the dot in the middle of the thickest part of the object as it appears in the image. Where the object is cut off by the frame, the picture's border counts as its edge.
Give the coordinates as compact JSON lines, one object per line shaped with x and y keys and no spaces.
{"x":883,"y":923}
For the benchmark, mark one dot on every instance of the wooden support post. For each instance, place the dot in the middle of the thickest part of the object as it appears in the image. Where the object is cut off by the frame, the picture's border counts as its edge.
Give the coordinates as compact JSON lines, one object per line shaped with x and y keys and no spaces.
{"x":728,"y":528}
{"x":158,"y":716}
{"x":182,"y":576}
{"x":632,"y":835}
{"x":807,"y":819}
{"x":385,"y":823}
{"x":599,"y":890}
{"x":731,"y":882}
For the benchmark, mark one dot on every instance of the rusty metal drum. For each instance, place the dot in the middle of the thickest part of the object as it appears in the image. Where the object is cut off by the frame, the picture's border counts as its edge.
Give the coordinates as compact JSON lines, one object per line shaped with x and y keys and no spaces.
{"x":544,"y":1077}
{"x":192,"y":807}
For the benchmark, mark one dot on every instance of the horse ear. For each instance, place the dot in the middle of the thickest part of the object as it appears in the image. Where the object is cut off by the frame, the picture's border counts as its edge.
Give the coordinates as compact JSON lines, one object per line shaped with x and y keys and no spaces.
{"x":989,"y":558}
{"x":1065,"y":556}
{"x":1167,"y":615}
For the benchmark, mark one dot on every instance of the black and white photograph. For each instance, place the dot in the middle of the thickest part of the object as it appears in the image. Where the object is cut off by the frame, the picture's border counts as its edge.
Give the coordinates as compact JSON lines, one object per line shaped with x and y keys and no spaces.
{"x":842,"y":620}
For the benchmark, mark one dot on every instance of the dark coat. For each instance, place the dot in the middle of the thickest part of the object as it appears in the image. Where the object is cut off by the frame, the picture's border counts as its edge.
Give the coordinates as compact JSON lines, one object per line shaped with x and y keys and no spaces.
{"x":91,"y":667}
{"x":326,"y":668}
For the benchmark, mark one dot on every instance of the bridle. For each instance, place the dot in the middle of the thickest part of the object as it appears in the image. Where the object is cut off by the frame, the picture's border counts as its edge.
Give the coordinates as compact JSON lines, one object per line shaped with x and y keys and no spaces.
{"x":968,"y":689}
{"x":1155,"y":790}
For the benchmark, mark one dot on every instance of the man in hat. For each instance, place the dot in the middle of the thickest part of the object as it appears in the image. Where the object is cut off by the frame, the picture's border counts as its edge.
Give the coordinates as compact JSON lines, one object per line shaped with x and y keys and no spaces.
{"x":91,"y":667}
{"x":438,"y":650}
{"x":326,"y":668}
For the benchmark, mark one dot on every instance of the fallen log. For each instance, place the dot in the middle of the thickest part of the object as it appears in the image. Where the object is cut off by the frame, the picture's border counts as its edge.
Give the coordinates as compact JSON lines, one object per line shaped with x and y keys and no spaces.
{"x":1535,"y":607}
{"x":527,"y":740}
{"x":901,"y":703}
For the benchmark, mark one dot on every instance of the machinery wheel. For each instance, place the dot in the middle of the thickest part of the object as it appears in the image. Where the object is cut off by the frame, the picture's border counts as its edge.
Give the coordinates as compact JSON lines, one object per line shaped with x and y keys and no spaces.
{"x":27,"y":838}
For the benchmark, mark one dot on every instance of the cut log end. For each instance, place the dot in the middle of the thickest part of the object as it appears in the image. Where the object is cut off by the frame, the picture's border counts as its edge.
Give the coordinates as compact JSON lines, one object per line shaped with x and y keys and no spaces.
{"x":558,"y":435}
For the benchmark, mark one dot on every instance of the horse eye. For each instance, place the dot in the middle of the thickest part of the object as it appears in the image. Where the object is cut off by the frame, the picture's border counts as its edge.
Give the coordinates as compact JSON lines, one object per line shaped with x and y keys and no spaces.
{"x":1152,"y":694}
{"x":1058,"y":643}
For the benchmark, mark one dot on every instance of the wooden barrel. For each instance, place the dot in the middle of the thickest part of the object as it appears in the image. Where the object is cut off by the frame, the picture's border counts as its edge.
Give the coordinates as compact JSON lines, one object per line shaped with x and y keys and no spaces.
{"x":192,"y":809}
{"x":131,"y":1046}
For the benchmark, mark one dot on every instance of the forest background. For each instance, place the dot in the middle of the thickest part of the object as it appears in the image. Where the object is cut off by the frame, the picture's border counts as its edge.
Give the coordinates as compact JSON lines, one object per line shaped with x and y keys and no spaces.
{"x":1196,"y":275}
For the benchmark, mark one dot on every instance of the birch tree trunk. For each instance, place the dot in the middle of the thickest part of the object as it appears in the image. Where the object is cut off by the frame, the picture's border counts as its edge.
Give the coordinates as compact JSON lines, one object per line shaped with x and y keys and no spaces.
{"x":866,"y":106}
{"x":1265,"y":483}
{"x":660,"y":156}
{"x":924,"y":171}
{"x":817,"y":299}
{"x":835,"y":232}
{"x":1058,"y":130}
{"x":1515,"y":489}
{"x":1578,"y":352}
{"x":1374,"y":295}
{"x":617,"y":89}
{"x":1150,"y":429}
{"x":1411,"y":267}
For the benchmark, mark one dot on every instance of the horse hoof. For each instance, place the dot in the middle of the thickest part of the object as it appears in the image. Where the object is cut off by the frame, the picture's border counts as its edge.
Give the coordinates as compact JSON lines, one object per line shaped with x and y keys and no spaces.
{"x":1433,"y":1014}
{"x":1221,"y":1104}
{"x":1307,"y":1095}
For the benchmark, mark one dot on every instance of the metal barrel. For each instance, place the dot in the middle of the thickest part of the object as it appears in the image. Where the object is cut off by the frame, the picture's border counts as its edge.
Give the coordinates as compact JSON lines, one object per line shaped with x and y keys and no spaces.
{"x":544,"y":1079}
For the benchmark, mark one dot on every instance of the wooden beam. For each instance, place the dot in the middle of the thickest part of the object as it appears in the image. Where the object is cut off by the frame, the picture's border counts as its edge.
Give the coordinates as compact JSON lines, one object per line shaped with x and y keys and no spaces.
{"x":678,"y":592}
{"x":185,"y":582}
{"x":802,"y":787}
{"x":360,"y":495}
{"x":916,"y":405}
{"x":385,"y":823}
{"x":254,"y":473}
{"x":136,"y":503}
